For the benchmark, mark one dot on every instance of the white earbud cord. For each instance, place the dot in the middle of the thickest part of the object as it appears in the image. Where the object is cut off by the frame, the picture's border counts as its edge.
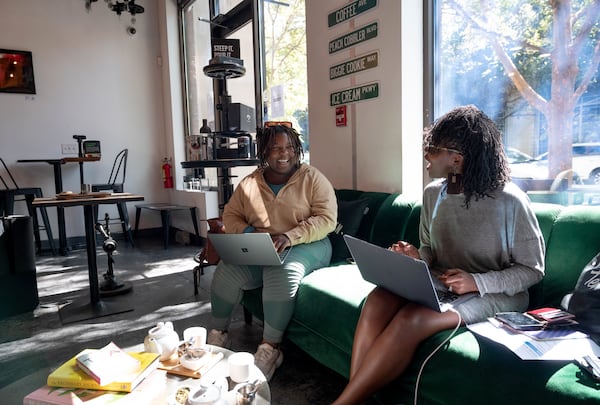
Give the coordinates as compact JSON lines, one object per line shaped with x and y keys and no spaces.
{"x":435,"y":351}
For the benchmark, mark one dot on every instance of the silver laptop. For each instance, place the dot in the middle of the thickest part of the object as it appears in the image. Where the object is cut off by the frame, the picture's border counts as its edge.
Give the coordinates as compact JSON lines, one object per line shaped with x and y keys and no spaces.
{"x":403,"y":275}
{"x":247,"y":249}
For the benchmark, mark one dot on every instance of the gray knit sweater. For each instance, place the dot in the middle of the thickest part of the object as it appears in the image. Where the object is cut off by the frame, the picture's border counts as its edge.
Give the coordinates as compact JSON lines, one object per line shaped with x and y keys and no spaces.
{"x":497,"y":238}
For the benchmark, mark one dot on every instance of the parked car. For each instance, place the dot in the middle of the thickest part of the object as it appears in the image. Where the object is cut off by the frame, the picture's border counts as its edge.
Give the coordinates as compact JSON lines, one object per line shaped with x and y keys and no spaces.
{"x":586,"y":164}
{"x":514,"y":155}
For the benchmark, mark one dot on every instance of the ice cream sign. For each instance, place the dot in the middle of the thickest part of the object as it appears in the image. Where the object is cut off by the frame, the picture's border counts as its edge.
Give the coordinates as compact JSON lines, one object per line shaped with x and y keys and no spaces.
{"x":354,"y":94}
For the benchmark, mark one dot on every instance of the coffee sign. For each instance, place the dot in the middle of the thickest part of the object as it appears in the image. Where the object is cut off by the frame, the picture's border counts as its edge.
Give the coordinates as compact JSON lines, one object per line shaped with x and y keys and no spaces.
{"x":350,"y":11}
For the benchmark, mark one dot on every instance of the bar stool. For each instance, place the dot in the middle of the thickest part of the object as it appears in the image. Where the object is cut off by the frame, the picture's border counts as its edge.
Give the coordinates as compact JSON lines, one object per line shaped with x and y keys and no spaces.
{"x":10,"y":194}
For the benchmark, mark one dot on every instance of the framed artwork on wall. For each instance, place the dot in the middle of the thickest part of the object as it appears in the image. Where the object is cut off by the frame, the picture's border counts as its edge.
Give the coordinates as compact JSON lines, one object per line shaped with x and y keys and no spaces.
{"x":16,"y":72}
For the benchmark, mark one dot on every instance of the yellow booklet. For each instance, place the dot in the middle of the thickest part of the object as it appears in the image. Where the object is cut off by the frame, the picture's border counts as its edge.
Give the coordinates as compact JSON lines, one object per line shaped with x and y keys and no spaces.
{"x":69,"y":375}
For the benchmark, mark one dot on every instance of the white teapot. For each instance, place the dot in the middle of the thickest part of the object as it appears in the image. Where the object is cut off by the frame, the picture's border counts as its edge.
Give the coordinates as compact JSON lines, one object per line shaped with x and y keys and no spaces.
{"x":162,"y":339}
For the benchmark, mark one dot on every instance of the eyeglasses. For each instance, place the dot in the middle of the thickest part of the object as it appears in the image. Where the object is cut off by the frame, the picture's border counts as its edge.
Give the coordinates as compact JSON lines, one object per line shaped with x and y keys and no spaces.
{"x":278,"y":149}
{"x":270,"y":124}
{"x":434,"y":150}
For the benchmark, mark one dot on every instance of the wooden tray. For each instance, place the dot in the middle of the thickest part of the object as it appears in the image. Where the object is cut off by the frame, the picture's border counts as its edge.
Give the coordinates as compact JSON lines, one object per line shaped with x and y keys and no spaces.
{"x":177,"y":369}
{"x":75,"y":196}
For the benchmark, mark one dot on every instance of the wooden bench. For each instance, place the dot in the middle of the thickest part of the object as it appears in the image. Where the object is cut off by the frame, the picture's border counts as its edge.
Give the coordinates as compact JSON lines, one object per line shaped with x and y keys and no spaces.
{"x":165,"y":210}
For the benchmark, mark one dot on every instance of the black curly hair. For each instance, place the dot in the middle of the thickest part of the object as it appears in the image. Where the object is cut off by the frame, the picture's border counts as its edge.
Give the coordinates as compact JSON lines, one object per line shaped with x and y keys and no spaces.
{"x":265,"y":138}
{"x":476,"y":136}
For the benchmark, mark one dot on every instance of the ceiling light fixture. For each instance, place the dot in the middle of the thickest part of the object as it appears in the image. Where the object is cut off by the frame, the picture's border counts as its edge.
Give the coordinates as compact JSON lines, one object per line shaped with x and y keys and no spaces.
{"x":119,"y":7}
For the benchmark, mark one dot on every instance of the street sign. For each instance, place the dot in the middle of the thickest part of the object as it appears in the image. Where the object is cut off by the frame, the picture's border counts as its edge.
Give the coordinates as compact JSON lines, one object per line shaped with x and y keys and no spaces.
{"x":354,"y":65}
{"x":350,"y":11}
{"x":362,"y":34}
{"x":354,"y":94}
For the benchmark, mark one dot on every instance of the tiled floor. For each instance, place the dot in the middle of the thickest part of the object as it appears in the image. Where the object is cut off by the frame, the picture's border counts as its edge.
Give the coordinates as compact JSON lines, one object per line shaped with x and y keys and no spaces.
{"x":34,"y":343}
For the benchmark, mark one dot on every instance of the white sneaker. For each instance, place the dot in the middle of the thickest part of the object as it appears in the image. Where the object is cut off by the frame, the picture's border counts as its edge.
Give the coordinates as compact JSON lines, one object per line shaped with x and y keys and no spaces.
{"x":218,"y":338}
{"x":267,"y":359}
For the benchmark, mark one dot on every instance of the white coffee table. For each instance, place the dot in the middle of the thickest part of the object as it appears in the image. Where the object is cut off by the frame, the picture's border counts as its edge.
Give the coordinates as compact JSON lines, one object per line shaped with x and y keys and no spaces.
{"x":217,"y":375}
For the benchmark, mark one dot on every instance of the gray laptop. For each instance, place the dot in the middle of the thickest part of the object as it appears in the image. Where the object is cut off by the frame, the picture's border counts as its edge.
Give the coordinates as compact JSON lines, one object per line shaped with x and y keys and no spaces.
{"x":247,"y":249}
{"x":403,"y":275}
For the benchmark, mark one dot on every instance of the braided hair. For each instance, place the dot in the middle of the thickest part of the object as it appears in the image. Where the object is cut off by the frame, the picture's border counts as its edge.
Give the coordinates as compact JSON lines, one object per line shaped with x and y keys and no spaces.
{"x":265,"y":138}
{"x":469,"y":130}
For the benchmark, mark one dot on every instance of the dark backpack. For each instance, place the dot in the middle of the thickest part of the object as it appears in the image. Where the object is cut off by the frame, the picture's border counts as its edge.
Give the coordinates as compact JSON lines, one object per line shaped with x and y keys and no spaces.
{"x":584,"y":301}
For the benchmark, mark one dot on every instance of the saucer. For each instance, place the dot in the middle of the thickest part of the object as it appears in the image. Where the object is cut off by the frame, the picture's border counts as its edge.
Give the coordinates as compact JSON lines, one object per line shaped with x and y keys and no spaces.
{"x":193,"y":363}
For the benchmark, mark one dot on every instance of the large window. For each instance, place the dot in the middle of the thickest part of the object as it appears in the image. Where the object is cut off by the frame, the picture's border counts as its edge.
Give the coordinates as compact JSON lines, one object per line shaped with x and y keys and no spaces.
{"x":280,"y":48}
{"x":532,"y":66}
{"x":285,"y":93}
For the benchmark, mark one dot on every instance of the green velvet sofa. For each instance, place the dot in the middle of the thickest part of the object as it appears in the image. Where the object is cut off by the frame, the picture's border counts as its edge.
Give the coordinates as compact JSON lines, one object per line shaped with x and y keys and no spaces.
{"x":469,"y":368}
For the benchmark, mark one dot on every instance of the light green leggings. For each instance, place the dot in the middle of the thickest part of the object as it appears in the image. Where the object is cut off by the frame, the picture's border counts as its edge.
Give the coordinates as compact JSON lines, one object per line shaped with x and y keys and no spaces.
{"x":280,"y":285}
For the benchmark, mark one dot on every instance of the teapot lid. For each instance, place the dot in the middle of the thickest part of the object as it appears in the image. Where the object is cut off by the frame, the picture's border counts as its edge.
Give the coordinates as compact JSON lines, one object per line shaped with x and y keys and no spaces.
{"x":160,"y":327}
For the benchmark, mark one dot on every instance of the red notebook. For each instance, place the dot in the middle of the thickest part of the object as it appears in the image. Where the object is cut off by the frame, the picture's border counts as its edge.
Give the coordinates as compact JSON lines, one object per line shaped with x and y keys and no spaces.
{"x":553,"y":316}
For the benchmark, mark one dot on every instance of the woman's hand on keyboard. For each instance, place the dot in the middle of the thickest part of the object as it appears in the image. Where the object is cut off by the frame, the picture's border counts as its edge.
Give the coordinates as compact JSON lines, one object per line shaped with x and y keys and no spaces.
{"x":281,"y":242}
{"x":405,"y":248}
{"x":459,"y":281}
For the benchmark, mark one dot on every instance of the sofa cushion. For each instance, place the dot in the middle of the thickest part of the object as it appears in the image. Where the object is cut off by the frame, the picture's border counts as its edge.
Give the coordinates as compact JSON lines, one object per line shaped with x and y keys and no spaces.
{"x":376,"y":199}
{"x":350,"y":215}
{"x":571,"y":245}
{"x":546,"y":215}
{"x":327,"y":308}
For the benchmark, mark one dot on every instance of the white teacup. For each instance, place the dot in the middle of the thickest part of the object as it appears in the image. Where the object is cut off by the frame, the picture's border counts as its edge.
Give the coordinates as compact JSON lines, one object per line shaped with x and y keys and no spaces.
{"x":196,"y":336}
{"x":240,"y":365}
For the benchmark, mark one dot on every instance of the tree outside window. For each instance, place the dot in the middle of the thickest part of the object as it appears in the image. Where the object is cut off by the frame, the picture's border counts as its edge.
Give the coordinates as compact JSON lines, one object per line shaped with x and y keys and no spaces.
{"x":534,"y":64}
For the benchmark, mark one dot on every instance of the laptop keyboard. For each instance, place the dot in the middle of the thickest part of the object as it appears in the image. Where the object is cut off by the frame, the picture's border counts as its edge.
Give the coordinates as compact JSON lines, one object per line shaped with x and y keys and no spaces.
{"x":446,"y":296}
{"x":283,"y":253}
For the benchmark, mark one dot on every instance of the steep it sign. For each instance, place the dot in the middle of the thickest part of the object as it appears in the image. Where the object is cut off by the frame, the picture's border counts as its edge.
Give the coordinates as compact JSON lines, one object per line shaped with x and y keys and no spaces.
{"x":354,"y":94}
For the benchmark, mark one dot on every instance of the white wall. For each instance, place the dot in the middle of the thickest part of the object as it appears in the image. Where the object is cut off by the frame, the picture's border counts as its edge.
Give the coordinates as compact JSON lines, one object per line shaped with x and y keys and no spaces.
{"x":92,"y":78}
{"x":372,"y":152}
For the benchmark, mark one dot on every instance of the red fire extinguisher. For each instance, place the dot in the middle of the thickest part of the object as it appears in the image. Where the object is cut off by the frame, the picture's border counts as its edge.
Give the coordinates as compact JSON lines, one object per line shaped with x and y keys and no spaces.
{"x":166,"y":173}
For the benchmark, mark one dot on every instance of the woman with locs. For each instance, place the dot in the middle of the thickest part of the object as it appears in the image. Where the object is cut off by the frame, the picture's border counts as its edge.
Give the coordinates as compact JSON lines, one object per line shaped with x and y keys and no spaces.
{"x":296,"y":205}
{"x":477,"y":233}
